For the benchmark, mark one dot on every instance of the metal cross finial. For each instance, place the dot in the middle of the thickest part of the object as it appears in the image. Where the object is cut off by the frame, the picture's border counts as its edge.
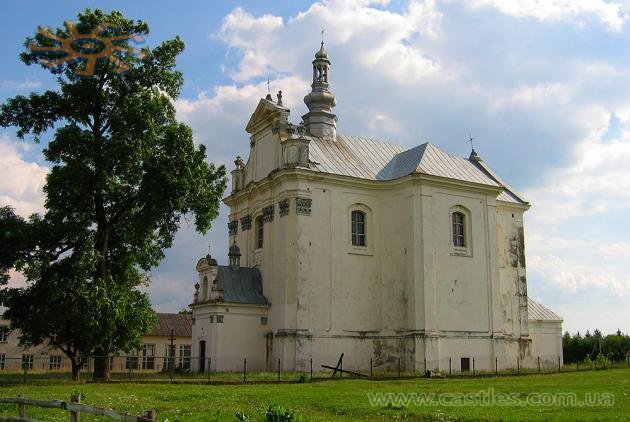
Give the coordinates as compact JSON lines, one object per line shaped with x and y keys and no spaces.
{"x":268,"y":87}
{"x":470,"y":139}
{"x":322,"y":35}
{"x":209,"y":248}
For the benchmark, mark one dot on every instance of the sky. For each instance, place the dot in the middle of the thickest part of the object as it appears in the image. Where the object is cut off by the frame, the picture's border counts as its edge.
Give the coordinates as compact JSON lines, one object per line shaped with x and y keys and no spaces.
{"x":542,"y":85}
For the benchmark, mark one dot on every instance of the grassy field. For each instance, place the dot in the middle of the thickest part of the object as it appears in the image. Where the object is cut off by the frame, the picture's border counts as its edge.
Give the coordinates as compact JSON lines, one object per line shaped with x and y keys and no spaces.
{"x":346,"y":400}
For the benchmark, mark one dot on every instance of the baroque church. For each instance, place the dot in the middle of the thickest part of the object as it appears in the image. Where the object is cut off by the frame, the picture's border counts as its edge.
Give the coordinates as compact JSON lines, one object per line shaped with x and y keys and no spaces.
{"x":343,"y":244}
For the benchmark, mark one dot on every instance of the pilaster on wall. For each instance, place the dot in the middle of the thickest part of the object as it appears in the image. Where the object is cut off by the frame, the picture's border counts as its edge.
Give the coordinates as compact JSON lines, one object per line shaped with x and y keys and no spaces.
{"x":494,"y":278}
{"x":429,"y":258}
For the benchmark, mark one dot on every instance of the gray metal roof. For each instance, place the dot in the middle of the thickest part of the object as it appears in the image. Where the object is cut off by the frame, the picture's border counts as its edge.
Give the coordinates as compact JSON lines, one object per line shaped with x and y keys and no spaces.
{"x":241,"y":285}
{"x":538,"y":312}
{"x":377,"y":160}
{"x":180,"y":324}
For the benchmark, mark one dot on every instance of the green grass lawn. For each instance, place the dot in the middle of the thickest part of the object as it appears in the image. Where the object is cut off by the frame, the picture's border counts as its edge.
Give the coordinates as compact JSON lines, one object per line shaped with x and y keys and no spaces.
{"x":342,"y":400}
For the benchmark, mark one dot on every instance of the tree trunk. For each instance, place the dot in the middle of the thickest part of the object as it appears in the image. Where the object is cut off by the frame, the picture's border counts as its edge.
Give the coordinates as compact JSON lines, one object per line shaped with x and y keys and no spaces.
{"x":101,"y":366}
{"x":76,"y":370}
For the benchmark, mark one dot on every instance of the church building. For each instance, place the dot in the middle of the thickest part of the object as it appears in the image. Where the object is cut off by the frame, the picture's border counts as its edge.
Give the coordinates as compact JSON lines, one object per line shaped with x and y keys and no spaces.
{"x":387,"y":254}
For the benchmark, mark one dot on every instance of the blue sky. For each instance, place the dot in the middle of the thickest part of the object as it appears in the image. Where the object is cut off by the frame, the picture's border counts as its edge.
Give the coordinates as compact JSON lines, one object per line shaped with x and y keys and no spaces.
{"x":543,"y":86}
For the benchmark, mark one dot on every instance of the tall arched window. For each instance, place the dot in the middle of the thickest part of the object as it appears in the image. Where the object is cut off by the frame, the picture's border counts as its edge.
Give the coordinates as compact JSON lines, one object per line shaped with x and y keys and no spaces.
{"x":358,"y":228}
{"x":260,"y":231}
{"x":459,"y":229}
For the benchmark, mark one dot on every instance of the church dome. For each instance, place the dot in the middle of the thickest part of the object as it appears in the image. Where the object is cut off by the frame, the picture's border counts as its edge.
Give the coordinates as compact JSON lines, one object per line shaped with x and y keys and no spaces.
{"x":322,"y":53}
{"x":211,"y":261}
{"x":320,"y":99}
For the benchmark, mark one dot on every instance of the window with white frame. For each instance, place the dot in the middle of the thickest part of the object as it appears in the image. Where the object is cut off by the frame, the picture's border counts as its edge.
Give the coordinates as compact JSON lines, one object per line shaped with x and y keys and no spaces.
{"x":358,"y":231}
{"x":3,"y":360}
{"x":459,"y":229}
{"x":27,"y":361}
{"x":131,"y":362}
{"x":184,"y":356}
{"x":54,"y":362}
{"x":148,"y":356}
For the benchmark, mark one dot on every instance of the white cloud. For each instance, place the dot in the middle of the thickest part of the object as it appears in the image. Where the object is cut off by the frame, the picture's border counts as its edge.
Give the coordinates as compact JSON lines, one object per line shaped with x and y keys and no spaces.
{"x":597,"y":181}
{"x":611,"y":14}
{"x":572,"y":277}
{"x":22,"y":181}
{"x":377,"y":39}
{"x":19,"y":86}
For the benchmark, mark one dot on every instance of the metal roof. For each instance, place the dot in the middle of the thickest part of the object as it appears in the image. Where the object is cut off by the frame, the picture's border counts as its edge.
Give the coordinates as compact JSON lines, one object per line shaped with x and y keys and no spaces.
{"x":538,"y":312}
{"x":241,"y":285}
{"x":181,"y":325}
{"x":377,"y":160}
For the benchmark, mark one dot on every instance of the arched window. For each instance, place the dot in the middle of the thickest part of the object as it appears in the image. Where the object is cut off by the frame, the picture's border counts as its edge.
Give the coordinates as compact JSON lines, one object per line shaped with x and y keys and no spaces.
{"x":260,"y":231}
{"x":459,"y":229}
{"x":358,"y":228}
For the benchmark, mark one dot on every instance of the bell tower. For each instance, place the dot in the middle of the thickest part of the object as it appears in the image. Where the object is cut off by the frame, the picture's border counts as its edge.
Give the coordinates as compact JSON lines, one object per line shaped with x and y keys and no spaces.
{"x":320,"y":121}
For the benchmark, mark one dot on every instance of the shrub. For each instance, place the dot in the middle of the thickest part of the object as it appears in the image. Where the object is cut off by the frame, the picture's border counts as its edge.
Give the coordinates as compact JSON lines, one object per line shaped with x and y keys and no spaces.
{"x":276,"y":413}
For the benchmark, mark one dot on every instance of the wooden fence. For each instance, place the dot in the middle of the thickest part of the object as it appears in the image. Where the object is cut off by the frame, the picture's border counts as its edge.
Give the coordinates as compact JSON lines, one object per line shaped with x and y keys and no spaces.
{"x":74,"y":407}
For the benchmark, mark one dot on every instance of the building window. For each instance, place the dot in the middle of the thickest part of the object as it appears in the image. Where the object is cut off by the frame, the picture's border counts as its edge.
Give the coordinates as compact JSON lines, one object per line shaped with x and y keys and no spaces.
{"x":263,"y":320}
{"x":169,"y":356}
{"x":219,"y":319}
{"x":260,"y":231}
{"x":211,"y":319}
{"x":459,"y":229}
{"x":54,"y":362}
{"x":27,"y":361}
{"x":131,"y":362}
{"x":184,"y":356}
{"x":148,"y":356}
{"x":358,"y":228}
{"x":3,"y":360}
{"x":4,"y":334}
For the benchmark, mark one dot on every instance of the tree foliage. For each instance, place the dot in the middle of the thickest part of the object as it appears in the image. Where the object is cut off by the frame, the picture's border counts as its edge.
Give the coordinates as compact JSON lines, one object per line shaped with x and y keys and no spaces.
{"x":123,"y":173}
{"x":577,"y":348}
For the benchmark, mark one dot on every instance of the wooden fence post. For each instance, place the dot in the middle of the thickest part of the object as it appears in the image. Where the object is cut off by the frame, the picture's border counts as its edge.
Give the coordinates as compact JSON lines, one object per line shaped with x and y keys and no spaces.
{"x":21,"y":408}
{"x":371,"y":367}
{"x":450,"y":366}
{"x":518,"y":366}
{"x":75,"y":416}
{"x":473,"y":365}
{"x":558,"y":363}
{"x":398,"y":367}
{"x":244,"y":369}
{"x":278,"y":369}
{"x":149,"y":416}
{"x":539,"y":364}
{"x":496,"y":365}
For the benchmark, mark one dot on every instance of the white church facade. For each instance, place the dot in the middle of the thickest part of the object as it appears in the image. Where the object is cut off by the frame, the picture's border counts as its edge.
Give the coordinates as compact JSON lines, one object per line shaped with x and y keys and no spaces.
{"x":350,"y":245}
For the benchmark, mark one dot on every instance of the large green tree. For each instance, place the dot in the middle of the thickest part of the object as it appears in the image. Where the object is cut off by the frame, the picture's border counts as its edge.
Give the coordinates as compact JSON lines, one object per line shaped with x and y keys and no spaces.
{"x":123,"y":173}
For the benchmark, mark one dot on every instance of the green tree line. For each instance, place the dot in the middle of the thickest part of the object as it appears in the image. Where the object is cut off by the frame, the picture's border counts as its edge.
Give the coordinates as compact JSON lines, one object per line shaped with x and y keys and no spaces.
{"x":590,"y":347}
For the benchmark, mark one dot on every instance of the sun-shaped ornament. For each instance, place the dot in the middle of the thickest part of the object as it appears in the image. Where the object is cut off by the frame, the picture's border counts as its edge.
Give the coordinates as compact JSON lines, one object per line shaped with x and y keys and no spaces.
{"x":90,"y":47}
